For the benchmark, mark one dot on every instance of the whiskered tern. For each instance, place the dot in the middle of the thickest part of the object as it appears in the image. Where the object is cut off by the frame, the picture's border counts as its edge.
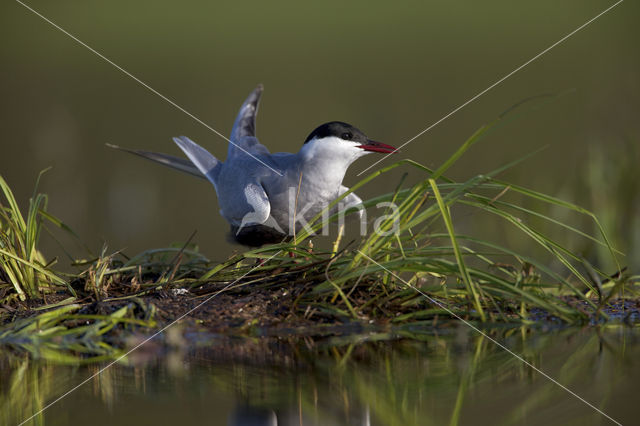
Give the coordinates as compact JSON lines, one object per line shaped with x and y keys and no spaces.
{"x":266,"y":197}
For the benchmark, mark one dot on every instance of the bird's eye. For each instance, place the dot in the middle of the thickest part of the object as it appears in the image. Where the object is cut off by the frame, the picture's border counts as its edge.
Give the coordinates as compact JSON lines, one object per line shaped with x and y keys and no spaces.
{"x":347,"y":136}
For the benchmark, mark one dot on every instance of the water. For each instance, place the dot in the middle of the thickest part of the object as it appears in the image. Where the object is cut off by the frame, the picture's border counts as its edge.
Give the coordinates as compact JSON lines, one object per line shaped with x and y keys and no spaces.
{"x":447,"y":376}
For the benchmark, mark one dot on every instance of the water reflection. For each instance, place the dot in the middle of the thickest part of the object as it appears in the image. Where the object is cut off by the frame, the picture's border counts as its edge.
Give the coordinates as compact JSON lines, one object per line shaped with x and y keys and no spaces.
{"x":450,"y":375}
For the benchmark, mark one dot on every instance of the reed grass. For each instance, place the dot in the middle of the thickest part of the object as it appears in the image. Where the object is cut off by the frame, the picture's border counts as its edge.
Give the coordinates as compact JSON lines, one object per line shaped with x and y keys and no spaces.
{"x":22,"y":265}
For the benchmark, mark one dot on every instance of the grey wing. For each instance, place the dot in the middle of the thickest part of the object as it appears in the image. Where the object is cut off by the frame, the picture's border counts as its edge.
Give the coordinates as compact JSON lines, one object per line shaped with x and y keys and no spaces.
{"x":250,"y":206}
{"x":177,"y":163}
{"x":243,"y":135}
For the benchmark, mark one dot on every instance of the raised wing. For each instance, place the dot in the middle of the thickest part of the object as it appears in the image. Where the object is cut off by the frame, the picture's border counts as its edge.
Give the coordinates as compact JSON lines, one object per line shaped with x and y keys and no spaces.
{"x":243,"y":135}
{"x":177,"y":163}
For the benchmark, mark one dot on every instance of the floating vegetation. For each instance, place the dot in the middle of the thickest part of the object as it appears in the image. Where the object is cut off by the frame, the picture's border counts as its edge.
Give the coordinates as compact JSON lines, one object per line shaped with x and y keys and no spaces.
{"x":66,"y":335}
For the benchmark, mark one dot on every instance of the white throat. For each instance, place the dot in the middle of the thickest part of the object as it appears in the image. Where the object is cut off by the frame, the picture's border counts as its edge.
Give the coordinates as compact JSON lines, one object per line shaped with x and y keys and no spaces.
{"x":328,"y":159}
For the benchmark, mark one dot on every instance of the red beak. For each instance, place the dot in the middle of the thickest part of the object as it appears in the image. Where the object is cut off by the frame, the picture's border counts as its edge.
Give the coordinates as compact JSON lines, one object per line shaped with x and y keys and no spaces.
{"x":378,"y":147}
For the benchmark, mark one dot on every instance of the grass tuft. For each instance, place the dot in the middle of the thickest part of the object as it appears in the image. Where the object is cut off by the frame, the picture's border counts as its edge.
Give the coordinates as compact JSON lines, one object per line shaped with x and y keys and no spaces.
{"x":22,"y":265}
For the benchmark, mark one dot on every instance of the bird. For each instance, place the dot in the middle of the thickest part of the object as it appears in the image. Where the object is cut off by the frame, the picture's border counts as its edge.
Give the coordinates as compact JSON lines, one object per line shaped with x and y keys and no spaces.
{"x":267,"y":197}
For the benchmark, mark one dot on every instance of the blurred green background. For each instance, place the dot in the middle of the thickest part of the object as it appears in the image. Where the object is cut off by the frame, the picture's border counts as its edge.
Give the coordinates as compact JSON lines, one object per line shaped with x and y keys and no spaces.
{"x":390,"y":69}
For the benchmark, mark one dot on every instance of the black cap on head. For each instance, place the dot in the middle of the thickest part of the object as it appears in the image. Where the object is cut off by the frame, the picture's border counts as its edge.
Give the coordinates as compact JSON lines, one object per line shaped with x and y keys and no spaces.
{"x":340,"y":130}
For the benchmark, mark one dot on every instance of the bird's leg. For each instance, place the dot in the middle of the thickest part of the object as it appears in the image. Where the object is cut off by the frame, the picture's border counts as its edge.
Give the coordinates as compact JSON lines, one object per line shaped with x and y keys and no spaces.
{"x":309,"y":250}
